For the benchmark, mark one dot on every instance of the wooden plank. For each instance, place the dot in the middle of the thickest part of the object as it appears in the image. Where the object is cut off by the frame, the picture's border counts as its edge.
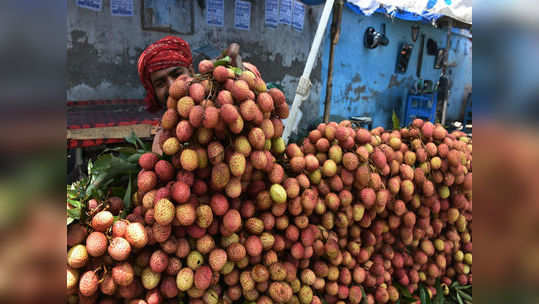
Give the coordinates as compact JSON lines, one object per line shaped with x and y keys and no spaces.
{"x":141,"y":130}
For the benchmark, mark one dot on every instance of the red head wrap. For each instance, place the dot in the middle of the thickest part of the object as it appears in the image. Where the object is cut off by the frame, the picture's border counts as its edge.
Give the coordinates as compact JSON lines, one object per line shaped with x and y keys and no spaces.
{"x":168,"y":52}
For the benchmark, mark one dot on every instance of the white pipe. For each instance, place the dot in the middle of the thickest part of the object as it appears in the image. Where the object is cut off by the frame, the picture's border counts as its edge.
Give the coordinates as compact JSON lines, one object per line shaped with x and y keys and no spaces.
{"x":320,"y":31}
{"x":302,"y":91}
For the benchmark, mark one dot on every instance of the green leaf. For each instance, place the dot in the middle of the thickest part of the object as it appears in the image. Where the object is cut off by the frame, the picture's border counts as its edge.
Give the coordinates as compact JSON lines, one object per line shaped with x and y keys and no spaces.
{"x":90,"y":167}
{"x":107,"y":167}
{"x":465,"y":296}
{"x":74,"y":203}
{"x":271,"y":85}
{"x":237,"y":70}
{"x":406,"y":300}
{"x":459,"y":299}
{"x":439,"y":299}
{"x":111,"y":164}
{"x":396,"y":122}
{"x":223,"y":61}
{"x":127,"y":199}
{"x":122,"y":150}
{"x":142,"y":144}
{"x":403,"y":291}
{"x":132,"y":139}
{"x":74,"y":213}
{"x":463,"y":287}
{"x":69,"y":220}
{"x":71,"y":193}
{"x":423,"y":295}
{"x":116,"y":191}
{"x":134,"y":158}
{"x":364,"y":296}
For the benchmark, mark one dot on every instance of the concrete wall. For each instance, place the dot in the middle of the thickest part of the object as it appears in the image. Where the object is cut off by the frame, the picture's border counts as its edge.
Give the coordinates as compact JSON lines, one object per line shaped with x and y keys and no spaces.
{"x":102,"y":50}
{"x":102,"y":53}
{"x":364,"y":80}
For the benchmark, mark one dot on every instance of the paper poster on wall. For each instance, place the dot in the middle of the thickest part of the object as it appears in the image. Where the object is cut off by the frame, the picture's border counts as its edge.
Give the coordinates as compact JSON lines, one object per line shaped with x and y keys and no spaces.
{"x":94,"y":5}
{"x":242,"y":15}
{"x":215,"y":13}
{"x":122,"y":8}
{"x":272,"y":13}
{"x":285,"y":12}
{"x":298,"y":16}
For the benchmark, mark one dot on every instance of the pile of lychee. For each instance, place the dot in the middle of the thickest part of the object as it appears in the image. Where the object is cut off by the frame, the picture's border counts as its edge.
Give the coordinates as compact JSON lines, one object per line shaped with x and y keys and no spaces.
{"x":230,"y":214}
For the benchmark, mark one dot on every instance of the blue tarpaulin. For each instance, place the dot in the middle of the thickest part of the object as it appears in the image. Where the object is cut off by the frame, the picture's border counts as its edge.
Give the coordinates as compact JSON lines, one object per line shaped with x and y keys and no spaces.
{"x":420,"y":10}
{"x":399,"y":13}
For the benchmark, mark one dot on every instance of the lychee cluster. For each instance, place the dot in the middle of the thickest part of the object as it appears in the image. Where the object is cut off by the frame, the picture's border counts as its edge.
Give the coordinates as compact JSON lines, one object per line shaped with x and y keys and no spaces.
{"x":230,"y":214}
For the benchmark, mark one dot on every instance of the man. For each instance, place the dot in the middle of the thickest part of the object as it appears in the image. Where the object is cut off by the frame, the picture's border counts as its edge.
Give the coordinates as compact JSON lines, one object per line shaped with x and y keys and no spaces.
{"x":161,"y":63}
{"x":158,"y":66}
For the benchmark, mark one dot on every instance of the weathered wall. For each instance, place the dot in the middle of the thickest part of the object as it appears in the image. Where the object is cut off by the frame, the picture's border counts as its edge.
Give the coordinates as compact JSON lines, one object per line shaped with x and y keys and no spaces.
{"x":102,"y":50}
{"x":102,"y":53}
{"x":364,"y":80}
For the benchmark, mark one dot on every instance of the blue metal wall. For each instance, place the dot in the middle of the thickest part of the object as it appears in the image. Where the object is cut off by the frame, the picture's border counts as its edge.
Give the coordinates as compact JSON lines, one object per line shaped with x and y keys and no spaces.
{"x":364,"y":80}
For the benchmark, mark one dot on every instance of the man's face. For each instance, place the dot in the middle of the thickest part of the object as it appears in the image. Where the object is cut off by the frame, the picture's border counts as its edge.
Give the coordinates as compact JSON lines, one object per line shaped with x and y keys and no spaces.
{"x":162,"y":79}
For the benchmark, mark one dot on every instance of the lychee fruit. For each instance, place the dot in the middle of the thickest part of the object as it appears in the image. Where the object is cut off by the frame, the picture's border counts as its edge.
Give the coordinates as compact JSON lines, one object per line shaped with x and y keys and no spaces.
{"x":185,"y":279}
{"x":123,"y":274}
{"x":202,"y":277}
{"x":186,"y":214}
{"x":146,"y":181}
{"x":178,"y":89}
{"x":147,"y":160}
{"x":240,"y":90}
{"x":211,"y":117}
{"x":170,"y":119}
{"x":164,"y":211}
{"x":77,"y":256}
{"x":88,"y":283}
{"x":102,"y":220}
{"x":136,"y":235}
{"x":119,"y":249}
{"x":96,"y":244}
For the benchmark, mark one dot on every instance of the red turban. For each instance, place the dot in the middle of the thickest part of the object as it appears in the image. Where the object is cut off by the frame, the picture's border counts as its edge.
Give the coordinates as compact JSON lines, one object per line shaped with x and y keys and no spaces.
{"x":168,"y":52}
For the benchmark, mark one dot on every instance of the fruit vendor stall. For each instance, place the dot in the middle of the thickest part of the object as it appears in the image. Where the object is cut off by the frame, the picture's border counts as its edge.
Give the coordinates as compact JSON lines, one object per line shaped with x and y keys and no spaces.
{"x":228,"y":211}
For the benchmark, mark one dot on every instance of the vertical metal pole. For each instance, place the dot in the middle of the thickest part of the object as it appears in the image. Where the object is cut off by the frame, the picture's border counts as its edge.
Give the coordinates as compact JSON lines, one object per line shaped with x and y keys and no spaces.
{"x":335,"y":33}
{"x":446,"y":63}
{"x":329,"y":85}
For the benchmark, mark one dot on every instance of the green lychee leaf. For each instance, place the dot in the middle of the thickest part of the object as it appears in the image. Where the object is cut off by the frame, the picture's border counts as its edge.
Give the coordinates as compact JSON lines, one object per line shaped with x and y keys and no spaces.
{"x":90,"y":166}
{"x":223,"y":61}
{"x":364,"y":296}
{"x":237,"y":71}
{"x":74,"y":213}
{"x":403,"y":291}
{"x":132,"y":139}
{"x":465,"y":296}
{"x":74,"y":203}
{"x":396,"y":122}
{"x":424,"y":295}
{"x":459,"y":299}
{"x":108,"y":167}
{"x":127,"y":199}
{"x":439,"y":299}
{"x":116,"y":191}
{"x":134,"y":158}
{"x":70,"y":220}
